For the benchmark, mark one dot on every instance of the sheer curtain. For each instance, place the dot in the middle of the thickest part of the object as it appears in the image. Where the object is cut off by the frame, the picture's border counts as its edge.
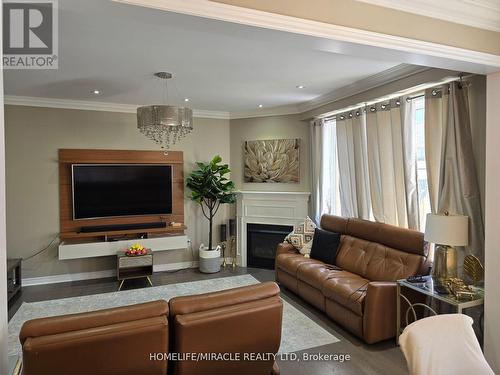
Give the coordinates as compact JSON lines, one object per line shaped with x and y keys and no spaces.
{"x":324,"y":169}
{"x":353,"y":165}
{"x":453,"y":183}
{"x":370,"y":164}
{"x":392,"y":163}
{"x":317,"y":188}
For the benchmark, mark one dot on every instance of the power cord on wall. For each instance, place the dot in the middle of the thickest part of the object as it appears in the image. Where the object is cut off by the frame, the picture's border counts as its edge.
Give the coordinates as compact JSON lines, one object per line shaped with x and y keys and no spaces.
{"x":42,"y":250}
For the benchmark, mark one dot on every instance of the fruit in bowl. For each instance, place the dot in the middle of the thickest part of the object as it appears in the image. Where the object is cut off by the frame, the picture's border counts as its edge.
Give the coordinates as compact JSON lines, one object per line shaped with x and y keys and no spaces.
{"x":136,"y":250}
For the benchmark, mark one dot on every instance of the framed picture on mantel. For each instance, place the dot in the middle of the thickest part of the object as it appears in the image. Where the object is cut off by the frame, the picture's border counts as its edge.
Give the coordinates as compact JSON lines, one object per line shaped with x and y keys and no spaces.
{"x":272,"y":161}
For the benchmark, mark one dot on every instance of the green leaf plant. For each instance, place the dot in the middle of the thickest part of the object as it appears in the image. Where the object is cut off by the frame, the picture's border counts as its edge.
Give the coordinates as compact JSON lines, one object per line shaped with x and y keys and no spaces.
{"x":209,"y":188}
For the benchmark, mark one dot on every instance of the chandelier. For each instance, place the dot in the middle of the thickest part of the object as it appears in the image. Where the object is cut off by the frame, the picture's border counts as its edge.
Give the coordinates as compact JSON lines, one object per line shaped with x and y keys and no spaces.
{"x":164,"y":124}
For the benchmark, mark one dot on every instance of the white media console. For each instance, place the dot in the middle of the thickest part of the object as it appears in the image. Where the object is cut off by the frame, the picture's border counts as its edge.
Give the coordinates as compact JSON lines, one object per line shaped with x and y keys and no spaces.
{"x":99,"y":249}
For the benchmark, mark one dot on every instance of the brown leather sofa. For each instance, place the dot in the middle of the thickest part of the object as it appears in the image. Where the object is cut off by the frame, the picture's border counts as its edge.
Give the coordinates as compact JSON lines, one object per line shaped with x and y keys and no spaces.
{"x":237,"y":321}
{"x":360,"y":292}
{"x":119,"y":341}
{"x":105,"y":342}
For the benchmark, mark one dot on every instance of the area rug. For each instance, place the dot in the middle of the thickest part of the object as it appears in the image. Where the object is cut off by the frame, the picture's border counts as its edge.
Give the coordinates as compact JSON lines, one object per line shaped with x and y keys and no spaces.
{"x":298,"y":331}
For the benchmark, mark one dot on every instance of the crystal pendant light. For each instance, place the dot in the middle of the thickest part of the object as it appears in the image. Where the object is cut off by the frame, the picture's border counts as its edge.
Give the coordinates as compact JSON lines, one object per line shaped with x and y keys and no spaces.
{"x":164,"y":124}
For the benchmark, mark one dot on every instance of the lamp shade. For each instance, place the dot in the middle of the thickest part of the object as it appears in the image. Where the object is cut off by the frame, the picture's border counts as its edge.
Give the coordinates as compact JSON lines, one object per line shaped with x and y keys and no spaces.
{"x":449,"y":230}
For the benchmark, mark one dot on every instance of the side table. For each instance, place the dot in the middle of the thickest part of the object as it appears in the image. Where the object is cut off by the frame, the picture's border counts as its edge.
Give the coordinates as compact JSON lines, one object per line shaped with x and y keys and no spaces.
{"x":427,"y":288}
{"x":134,"y":267}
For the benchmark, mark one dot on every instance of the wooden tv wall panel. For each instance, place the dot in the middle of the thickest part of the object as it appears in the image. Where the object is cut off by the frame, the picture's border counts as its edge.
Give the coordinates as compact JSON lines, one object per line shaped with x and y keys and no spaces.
{"x":69,"y":228}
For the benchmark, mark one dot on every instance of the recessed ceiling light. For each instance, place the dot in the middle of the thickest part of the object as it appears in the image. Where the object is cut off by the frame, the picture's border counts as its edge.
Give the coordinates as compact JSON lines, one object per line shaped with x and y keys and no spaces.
{"x":260,"y":106}
{"x":300,"y":86}
{"x":186,"y":99}
{"x":96,"y":92}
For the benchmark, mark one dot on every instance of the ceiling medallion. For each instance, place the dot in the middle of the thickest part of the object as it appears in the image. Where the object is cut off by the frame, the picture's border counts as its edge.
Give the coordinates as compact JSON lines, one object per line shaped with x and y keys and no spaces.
{"x":164,"y":124}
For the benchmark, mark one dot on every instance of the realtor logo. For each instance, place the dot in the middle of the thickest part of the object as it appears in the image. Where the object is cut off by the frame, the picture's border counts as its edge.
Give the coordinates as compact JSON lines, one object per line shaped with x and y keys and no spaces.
{"x":30,"y":34}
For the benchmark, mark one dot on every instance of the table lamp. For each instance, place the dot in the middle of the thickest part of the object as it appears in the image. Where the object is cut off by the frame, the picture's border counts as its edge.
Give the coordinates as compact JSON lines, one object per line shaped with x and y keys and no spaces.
{"x":446,"y":231}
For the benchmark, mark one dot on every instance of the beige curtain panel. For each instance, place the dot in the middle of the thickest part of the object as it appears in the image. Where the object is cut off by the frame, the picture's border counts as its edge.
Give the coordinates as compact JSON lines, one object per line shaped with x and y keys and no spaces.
{"x":317,"y":138}
{"x":353,"y":165}
{"x":392,"y":164}
{"x":452,"y":177}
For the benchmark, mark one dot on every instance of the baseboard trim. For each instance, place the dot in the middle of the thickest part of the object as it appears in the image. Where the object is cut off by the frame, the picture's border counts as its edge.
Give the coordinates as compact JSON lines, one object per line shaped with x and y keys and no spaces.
{"x":68,"y":277}
{"x":175,"y":266}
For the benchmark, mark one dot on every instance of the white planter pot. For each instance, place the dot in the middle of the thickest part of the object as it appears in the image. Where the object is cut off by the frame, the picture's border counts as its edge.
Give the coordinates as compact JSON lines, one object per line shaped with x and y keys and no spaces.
{"x":209,"y":261}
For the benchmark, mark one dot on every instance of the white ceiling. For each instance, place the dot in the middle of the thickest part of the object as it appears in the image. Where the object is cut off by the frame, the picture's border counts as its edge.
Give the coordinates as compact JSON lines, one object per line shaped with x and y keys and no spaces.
{"x":220,"y":66}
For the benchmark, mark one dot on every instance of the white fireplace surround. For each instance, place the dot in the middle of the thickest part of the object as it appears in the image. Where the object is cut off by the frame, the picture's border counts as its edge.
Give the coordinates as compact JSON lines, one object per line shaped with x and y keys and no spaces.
{"x":278,"y":208}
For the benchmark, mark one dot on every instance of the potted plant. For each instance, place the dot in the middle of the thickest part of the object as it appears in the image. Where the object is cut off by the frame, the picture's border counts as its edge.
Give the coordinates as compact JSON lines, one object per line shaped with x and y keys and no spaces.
{"x":210,"y":189}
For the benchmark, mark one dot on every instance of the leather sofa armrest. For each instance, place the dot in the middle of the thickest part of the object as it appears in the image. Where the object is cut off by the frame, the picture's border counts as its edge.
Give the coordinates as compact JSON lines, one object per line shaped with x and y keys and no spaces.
{"x":379,"y":318}
{"x":286,"y":248}
{"x":426,"y":266}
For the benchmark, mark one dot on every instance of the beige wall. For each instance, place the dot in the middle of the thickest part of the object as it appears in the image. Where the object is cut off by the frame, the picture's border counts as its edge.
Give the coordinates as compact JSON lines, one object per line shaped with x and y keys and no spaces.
{"x":358,"y":15}
{"x":33,"y":136}
{"x":272,"y":127}
{"x":492,"y":224}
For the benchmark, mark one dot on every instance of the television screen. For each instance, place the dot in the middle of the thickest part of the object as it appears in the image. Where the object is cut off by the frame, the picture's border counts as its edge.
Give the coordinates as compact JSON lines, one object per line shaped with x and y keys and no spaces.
{"x":105,"y":190}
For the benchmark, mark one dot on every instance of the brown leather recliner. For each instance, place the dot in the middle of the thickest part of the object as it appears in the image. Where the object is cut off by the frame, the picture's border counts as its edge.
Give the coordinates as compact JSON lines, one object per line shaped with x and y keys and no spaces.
{"x":106,"y":342}
{"x":239,"y":321}
{"x":361,"y":294}
{"x":120,"y":341}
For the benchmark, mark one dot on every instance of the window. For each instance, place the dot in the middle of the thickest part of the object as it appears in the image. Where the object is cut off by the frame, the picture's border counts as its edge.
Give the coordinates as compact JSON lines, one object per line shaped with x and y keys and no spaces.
{"x":330,"y":175}
{"x":330,"y":195}
{"x":424,"y":203}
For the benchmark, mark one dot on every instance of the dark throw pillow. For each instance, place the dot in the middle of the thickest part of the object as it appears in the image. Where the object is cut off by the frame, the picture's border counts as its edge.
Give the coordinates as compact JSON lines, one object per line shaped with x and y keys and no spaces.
{"x":325,"y":245}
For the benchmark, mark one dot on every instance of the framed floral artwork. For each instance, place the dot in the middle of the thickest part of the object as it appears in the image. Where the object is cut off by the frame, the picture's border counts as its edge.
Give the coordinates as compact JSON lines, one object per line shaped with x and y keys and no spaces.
{"x":272,"y":161}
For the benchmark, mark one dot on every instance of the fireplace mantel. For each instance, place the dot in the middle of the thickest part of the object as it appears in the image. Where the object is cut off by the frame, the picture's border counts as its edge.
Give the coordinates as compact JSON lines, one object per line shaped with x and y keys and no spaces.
{"x":264,"y":207}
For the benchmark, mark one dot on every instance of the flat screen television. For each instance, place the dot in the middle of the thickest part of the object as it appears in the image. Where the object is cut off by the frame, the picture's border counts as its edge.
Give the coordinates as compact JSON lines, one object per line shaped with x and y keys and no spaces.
{"x":110,"y":190}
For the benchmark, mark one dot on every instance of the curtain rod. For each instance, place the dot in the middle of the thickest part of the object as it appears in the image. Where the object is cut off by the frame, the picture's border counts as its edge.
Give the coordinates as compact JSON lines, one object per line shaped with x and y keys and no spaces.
{"x":460,"y":77}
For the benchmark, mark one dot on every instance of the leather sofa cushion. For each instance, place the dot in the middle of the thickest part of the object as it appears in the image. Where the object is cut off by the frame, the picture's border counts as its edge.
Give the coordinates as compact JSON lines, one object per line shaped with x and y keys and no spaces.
{"x":314,"y":274}
{"x":346,"y":289}
{"x":374,"y":261}
{"x":290,"y":263}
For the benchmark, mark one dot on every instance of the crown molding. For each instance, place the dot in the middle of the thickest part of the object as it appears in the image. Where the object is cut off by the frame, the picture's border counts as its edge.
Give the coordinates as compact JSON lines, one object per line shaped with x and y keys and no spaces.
{"x":389,"y":75}
{"x":483,"y":14}
{"x":413,"y":50}
{"x":291,"y":109}
{"x":95,"y":106}
{"x":384,"y":77}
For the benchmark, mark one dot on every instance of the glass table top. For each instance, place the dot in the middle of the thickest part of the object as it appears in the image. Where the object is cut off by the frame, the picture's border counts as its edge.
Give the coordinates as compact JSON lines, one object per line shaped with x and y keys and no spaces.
{"x":427,"y":288}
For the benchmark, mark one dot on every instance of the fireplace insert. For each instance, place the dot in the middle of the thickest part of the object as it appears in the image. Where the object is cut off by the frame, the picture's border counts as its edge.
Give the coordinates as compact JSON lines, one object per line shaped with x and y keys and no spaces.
{"x":262,"y":240}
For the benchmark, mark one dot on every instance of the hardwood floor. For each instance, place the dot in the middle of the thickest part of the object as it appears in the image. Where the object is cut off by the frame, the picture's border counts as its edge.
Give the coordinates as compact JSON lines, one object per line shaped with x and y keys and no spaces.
{"x":383,"y":358}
